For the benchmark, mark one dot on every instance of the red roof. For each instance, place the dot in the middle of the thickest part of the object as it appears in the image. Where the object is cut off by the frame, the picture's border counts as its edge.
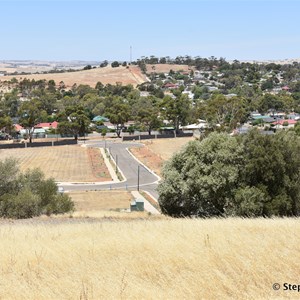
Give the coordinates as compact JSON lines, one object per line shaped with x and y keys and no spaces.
{"x":285,"y":88}
{"x":171,"y":85}
{"x":47,"y":125}
{"x":18,"y":127}
{"x":280,"y":122}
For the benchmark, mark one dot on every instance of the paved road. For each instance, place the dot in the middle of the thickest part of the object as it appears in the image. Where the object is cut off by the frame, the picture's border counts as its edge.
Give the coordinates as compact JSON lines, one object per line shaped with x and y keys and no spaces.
{"x":129,"y":167}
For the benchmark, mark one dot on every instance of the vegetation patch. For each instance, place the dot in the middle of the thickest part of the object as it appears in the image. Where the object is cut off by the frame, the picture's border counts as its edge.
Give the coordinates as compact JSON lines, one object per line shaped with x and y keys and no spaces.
{"x":29,"y":194}
{"x":163,"y":259}
{"x":149,"y":158}
{"x":249,"y":176}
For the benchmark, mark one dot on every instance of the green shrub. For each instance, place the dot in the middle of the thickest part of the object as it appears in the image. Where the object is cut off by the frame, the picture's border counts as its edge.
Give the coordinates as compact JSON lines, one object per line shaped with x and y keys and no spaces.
{"x":29,"y":194}
{"x":21,"y":206}
{"x":250,"y":176}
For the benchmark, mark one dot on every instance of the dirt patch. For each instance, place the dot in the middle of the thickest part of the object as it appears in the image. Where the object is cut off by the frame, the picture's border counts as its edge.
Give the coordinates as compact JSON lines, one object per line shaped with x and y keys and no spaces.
{"x":165,"y":148}
{"x":149,"y":158}
{"x":97,"y":164}
{"x":63,"y":163}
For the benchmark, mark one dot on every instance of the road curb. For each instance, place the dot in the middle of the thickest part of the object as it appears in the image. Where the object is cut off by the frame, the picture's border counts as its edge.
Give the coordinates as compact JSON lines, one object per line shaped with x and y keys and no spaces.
{"x":149,"y":170}
{"x":109,"y":166}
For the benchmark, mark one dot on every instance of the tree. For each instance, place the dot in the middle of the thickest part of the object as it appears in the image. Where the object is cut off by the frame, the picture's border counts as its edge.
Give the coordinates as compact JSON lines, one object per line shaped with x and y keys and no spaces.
{"x":10,"y":103}
{"x":6,"y":125}
{"x":88,"y":67}
{"x":74,"y":121}
{"x":118,"y":113}
{"x":146,"y":113}
{"x":225,"y":112}
{"x":103,"y":132}
{"x":201,"y":178}
{"x":175,"y":110}
{"x":115,"y":64}
{"x":272,"y":165}
{"x":29,"y":113}
{"x":29,"y":194}
{"x":104,"y":64}
{"x":251,"y":175}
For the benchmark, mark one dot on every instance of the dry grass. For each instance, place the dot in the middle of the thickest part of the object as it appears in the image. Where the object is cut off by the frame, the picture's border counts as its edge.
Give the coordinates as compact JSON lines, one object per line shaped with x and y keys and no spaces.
{"x":101,"y":200}
{"x":165,"y":259}
{"x":131,"y":75}
{"x":157,"y":151}
{"x":165,"y":148}
{"x":105,"y":204}
{"x":63,"y":163}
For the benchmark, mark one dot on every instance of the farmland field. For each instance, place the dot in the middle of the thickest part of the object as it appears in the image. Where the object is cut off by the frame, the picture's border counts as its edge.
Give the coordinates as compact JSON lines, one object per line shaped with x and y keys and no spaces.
{"x":63,"y":163}
{"x":131,"y":75}
{"x":157,"y":151}
{"x":162,"y":259}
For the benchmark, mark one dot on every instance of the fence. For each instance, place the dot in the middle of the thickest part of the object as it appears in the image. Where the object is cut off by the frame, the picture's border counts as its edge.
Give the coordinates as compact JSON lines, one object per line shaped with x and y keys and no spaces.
{"x":156,"y":136}
{"x":38,"y":144}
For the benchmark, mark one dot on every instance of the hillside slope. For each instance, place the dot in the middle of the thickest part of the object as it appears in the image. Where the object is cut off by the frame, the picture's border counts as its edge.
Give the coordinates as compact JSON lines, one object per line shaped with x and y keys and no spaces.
{"x":131,"y":75}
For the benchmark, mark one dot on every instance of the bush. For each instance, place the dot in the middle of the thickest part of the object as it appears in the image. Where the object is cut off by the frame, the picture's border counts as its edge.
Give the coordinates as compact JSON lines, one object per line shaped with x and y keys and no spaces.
{"x":29,"y":194}
{"x":23,"y":205}
{"x":251,"y":175}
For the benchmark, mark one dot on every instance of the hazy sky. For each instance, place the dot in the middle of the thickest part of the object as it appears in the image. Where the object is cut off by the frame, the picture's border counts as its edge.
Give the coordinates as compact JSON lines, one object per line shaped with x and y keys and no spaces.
{"x":99,"y":30}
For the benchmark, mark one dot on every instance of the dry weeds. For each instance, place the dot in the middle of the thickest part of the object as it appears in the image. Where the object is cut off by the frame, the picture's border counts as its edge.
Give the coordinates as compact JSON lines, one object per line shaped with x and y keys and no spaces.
{"x":63,"y":163}
{"x":164,"y":259}
{"x":87,"y":201}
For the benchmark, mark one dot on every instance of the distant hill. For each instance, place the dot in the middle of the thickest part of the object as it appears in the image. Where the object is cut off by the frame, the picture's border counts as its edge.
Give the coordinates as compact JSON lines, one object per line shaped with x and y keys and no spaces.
{"x":131,"y":75}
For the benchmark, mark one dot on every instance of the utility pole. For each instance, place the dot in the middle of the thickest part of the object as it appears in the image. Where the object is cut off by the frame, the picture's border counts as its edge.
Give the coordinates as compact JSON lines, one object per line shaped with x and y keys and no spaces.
{"x":138,"y":182}
{"x":130,"y":54}
{"x":116,"y":163}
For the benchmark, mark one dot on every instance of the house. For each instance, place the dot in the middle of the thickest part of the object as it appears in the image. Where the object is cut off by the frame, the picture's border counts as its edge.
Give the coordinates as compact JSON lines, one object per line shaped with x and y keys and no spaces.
{"x":170,"y":85}
{"x":201,"y":124}
{"x":293,"y":116}
{"x":47,"y":126}
{"x":144,"y":94}
{"x":100,"y":119}
{"x":18,"y":127}
{"x":189,"y":94}
{"x":281,"y":124}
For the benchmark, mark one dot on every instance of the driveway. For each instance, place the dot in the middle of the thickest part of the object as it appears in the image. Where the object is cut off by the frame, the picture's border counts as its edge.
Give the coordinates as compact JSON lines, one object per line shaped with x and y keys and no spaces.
{"x":129,"y":167}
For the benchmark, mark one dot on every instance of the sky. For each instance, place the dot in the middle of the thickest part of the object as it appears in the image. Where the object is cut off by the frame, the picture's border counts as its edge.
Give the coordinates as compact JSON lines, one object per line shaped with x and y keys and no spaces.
{"x":104,"y":30}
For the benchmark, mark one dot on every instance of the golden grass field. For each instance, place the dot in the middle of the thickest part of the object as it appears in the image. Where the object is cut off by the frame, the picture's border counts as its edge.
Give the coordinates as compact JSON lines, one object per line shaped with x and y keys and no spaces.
{"x":63,"y":163}
{"x":163,"y":259}
{"x":105,"y":204}
{"x":100,"y":200}
{"x":131,"y":75}
{"x":165,"y":148}
{"x":157,"y":151}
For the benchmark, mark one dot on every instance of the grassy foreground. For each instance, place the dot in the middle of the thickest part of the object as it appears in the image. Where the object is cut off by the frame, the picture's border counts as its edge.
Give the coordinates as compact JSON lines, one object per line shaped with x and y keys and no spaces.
{"x":163,"y":259}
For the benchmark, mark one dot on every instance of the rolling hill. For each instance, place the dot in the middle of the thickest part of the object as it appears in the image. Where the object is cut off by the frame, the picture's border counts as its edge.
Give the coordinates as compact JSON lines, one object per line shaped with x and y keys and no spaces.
{"x":131,"y":75}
